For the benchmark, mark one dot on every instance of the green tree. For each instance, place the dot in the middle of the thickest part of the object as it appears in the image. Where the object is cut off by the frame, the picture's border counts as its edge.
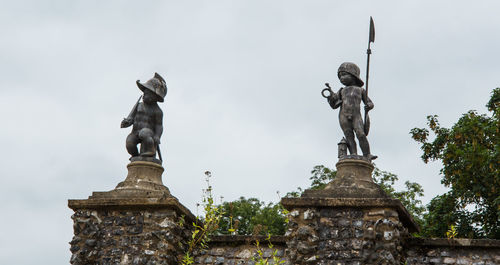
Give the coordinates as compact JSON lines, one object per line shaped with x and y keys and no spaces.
{"x":443,"y":211}
{"x":470,"y":153}
{"x":252,"y":216}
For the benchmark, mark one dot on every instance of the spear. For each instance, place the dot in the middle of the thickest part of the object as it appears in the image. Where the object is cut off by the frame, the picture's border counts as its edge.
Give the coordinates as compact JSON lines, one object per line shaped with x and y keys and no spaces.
{"x":371,"y":39}
{"x":130,"y":118}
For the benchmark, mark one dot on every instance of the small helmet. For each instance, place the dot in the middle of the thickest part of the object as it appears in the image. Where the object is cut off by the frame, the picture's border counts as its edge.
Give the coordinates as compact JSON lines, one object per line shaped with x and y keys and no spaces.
{"x":156,"y":84}
{"x":352,"y":69}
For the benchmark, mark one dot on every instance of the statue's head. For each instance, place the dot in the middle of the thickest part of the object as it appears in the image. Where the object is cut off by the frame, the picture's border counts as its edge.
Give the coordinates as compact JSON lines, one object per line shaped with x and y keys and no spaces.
{"x":351,"y":69}
{"x":156,"y":84}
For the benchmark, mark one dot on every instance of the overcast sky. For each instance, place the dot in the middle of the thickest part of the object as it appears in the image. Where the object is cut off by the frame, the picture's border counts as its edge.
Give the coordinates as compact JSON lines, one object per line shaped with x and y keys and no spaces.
{"x":244,"y":81}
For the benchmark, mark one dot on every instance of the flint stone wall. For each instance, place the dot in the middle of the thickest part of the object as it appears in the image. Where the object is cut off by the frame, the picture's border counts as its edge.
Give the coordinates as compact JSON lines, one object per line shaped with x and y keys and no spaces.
{"x":126,"y":237}
{"x":352,"y":221}
{"x":231,"y":250}
{"x":326,"y":236}
{"x":234,"y":250}
{"x":422,"y":251}
{"x":345,"y":236}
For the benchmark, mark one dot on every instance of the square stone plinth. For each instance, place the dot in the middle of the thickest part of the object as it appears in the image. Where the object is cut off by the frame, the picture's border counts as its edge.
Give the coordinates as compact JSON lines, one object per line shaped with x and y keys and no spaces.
{"x":347,"y":230}
{"x":129,"y":230}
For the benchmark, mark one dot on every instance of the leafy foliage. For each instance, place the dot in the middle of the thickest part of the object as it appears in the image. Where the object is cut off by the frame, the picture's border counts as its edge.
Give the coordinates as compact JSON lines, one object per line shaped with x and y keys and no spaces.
{"x":452,"y":232}
{"x":321,"y":176}
{"x":243,"y":215}
{"x":443,"y":212}
{"x":204,"y":229}
{"x":261,"y":260}
{"x":470,"y":153}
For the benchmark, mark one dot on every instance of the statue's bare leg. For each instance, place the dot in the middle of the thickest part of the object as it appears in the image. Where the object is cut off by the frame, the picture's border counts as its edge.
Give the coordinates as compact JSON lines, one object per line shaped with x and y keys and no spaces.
{"x":131,"y":144}
{"x":147,"y":142}
{"x":363,"y":141}
{"x":347,"y":128}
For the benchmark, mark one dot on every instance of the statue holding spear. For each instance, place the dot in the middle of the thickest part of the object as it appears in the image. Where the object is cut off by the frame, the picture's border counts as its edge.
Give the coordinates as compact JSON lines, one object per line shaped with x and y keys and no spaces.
{"x":349,"y":99}
{"x":146,"y":119}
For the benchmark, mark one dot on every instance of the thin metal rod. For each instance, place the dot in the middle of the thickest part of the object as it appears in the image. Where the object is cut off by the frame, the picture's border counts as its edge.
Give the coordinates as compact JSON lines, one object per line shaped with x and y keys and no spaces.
{"x":369,"y":52}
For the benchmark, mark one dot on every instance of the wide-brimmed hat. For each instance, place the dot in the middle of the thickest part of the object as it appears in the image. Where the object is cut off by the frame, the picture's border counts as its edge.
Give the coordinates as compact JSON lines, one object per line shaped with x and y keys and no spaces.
{"x":156,"y":84}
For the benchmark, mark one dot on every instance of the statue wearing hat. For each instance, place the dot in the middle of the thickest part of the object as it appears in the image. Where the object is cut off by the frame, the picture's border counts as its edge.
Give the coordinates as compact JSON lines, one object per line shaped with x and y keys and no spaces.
{"x":146,"y":120}
{"x":349,"y":99}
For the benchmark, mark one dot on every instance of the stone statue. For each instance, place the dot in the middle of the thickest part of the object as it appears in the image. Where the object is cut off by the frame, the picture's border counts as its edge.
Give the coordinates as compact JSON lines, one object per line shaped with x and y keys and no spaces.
{"x":349,"y":98}
{"x":147,"y":119}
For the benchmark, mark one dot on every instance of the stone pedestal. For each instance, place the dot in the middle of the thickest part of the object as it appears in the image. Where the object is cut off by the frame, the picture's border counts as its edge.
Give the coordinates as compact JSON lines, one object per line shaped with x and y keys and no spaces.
{"x":351,"y":221}
{"x":353,"y":180}
{"x":143,"y":181}
{"x":136,"y":223}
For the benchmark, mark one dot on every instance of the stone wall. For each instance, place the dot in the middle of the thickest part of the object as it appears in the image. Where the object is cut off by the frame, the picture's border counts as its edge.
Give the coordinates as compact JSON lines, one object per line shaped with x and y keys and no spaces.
{"x":126,"y":237}
{"x":115,"y":230}
{"x":233,"y":250}
{"x":351,"y":221}
{"x":148,"y":233}
{"x":349,"y":235}
{"x":458,"y":251}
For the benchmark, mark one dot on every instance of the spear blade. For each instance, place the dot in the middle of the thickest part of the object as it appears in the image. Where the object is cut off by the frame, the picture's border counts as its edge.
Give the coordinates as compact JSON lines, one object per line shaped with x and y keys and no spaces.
{"x":372,"y":31}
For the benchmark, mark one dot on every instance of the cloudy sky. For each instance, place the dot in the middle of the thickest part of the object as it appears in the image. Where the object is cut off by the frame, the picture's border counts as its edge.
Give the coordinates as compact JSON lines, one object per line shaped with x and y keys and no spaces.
{"x":244,"y":81}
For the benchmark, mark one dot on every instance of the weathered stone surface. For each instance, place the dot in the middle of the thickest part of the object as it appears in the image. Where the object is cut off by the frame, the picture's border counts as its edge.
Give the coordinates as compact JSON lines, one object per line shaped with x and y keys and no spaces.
{"x":387,"y":207}
{"x":452,"y":251}
{"x":236,"y":249}
{"x":241,"y":250}
{"x":453,"y":243}
{"x":143,"y":175}
{"x":357,"y":221}
{"x":345,"y":234}
{"x":129,"y":236}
